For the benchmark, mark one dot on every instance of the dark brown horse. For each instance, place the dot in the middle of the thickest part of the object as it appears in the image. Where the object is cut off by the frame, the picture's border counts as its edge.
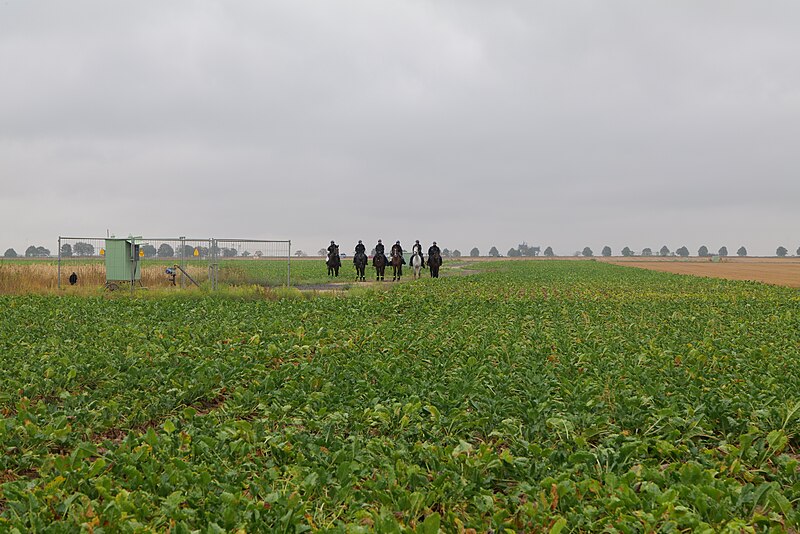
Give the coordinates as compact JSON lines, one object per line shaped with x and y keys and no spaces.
{"x":360,"y":261}
{"x":379,"y":262}
{"x":397,"y":265}
{"x":434,"y":262}
{"x":334,"y":262}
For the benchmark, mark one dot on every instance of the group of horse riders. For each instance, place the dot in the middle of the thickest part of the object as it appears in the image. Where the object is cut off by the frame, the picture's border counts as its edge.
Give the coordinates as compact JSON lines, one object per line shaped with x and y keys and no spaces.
{"x":380,"y":261}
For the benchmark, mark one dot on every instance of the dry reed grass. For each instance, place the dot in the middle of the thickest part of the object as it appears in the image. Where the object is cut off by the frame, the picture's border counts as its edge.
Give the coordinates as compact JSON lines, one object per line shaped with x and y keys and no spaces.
{"x":24,"y":278}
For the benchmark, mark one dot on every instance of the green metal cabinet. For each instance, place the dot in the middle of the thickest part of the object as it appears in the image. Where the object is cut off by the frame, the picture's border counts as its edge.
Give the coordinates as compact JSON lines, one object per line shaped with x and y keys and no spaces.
{"x":122,"y":260}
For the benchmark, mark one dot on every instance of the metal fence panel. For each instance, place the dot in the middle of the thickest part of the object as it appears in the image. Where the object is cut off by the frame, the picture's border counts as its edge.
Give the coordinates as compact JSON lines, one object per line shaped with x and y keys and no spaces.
{"x":183,"y":261}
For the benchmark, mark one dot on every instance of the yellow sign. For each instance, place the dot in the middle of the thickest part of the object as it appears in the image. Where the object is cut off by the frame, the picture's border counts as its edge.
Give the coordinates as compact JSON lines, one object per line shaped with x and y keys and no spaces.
{"x":196,"y":252}
{"x":141,"y":253}
{"x":102,"y":252}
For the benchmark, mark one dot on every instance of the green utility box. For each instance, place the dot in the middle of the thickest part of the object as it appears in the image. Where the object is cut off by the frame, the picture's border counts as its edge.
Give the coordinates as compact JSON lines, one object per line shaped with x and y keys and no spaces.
{"x":122,"y":260}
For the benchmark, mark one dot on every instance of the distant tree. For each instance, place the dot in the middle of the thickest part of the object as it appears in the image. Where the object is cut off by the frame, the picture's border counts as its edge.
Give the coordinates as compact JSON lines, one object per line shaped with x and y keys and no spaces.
{"x":214,"y":251}
{"x":188,"y":251}
{"x":606,"y":251}
{"x":683,"y":252}
{"x":493,"y":252}
{"x":229,"y":252}
{"x":456,"y":253}
{"x":149,"y":250}
{"x":300,"y":254}
{"x":83,"y":249}
{"x":166,"y":251}
{"x":203,"y":251}
{"x":664,"y":251}
{"x":475,"y":252}
{"x":372,"y":253}
{"x":549,"y":252}
{"x":36,"y":252}
{"x":525,"y":250}
{"x":741,"y":252}
{"x":781,"y":252}
{"x":322,"y":252}
{"x":723,"y":251}
{"x":66,"y":250}
{"x":446,"y":253}
{"x":513,"y":253}
{"x":587,"y":252}
{"x":258,"y":254}
{"x":10,"y":253}
{"x":703,"y":252}
{"x":798,"y":251}
{"x":647,"y":251}
{"x":627,"y":252}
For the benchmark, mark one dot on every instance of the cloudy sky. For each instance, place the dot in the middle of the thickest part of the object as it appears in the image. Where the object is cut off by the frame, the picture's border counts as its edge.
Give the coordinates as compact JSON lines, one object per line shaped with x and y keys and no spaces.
{"x":473,"y":123}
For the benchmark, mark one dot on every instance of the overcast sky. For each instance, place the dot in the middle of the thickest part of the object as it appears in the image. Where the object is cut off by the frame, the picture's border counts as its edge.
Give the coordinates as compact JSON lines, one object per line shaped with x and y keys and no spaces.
{"x":561,"y":123}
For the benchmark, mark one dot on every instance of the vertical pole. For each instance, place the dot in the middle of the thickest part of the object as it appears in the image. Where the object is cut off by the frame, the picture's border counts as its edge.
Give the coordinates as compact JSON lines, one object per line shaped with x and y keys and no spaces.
{"x":183,"y":260}
{"x":289,"y":265}
{"x":59,"y":262}
{"x":133,"y":267}
{"x":214,"y":256}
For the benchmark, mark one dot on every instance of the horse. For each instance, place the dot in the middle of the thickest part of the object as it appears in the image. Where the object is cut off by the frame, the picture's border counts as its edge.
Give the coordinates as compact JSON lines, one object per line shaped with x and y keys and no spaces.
{"x":360,"y":261}
{"x":379,"y":262}
{"x":434,"y":262}
{"x":397,"y":265}
{"x":416,"y":264}
{"x":333,"y":262}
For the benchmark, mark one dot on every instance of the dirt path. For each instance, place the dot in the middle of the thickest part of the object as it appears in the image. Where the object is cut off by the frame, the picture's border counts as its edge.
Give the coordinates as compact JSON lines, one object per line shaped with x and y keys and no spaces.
{"x":453,"y":269}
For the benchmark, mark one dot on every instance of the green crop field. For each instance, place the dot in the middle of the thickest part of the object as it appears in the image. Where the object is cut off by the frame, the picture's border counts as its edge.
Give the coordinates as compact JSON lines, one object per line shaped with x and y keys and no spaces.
{"x":550,"y":396}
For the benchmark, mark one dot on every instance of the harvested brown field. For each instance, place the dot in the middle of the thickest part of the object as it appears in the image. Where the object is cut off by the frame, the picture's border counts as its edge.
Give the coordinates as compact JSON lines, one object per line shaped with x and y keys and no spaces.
{"x":777,"y":271}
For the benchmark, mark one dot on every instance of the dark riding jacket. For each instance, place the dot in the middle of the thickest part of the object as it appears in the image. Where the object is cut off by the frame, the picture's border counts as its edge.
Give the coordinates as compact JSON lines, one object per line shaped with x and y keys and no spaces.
{"x":332,"y":248}
{"x":360,"y":248}
{"x":397,"y":249}
{"x":379,"y":248}
{"x":434,"y":250}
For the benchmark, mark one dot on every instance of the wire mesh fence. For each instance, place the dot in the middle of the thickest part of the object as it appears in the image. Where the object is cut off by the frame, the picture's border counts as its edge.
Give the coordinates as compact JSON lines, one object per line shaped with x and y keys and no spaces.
{"x":177,"y":261}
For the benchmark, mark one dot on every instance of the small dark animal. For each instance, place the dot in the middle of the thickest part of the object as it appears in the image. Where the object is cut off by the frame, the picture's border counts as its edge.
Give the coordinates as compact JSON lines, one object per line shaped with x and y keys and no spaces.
{"x":73,"y":279}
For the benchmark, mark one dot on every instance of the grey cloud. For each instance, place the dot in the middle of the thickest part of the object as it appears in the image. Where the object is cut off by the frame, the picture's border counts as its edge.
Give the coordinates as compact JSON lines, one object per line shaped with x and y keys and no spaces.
{"x":561,"y":123}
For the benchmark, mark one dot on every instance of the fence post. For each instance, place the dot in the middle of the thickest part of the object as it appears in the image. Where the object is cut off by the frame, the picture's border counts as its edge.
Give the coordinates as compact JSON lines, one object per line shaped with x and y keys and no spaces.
{"x":213,"y":266}
{"x":289,"y":266}
{"x":183,"y":260}
{"x":59,"y":262}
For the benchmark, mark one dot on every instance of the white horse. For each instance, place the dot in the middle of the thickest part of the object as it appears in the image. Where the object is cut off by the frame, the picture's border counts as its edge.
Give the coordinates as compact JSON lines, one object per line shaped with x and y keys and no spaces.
{"x":416,"y":264}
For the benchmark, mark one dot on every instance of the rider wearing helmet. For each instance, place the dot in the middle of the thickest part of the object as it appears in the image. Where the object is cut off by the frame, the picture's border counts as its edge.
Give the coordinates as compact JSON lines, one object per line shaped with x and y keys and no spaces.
{"x":360,"y":247}
{"x":379,"y":248}
{"x":397,"y":248}
{"x":332,"y":248}
{"x":417,"y":249}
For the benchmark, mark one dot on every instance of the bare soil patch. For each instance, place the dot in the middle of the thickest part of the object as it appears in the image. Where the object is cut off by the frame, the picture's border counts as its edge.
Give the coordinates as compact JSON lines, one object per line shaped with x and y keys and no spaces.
{"x":777,"y":271}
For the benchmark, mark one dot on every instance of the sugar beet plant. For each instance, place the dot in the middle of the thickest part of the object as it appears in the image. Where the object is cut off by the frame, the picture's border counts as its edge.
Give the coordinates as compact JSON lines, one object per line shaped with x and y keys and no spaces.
{"x":558,"y":396}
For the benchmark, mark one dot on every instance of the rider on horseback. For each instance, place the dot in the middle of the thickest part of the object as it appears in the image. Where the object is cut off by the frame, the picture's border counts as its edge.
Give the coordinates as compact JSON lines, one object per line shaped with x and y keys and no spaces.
{"x":397,"y":249}
{"x":379,"y":250}
{"x":360,"y":260}
{"x":417,"y":249}
{"x":332,"y":248}
{"x":434,"y":250}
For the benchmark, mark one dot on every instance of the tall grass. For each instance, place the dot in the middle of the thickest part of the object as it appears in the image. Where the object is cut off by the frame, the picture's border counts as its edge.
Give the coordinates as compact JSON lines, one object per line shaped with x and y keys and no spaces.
{"x":22,"y":278}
